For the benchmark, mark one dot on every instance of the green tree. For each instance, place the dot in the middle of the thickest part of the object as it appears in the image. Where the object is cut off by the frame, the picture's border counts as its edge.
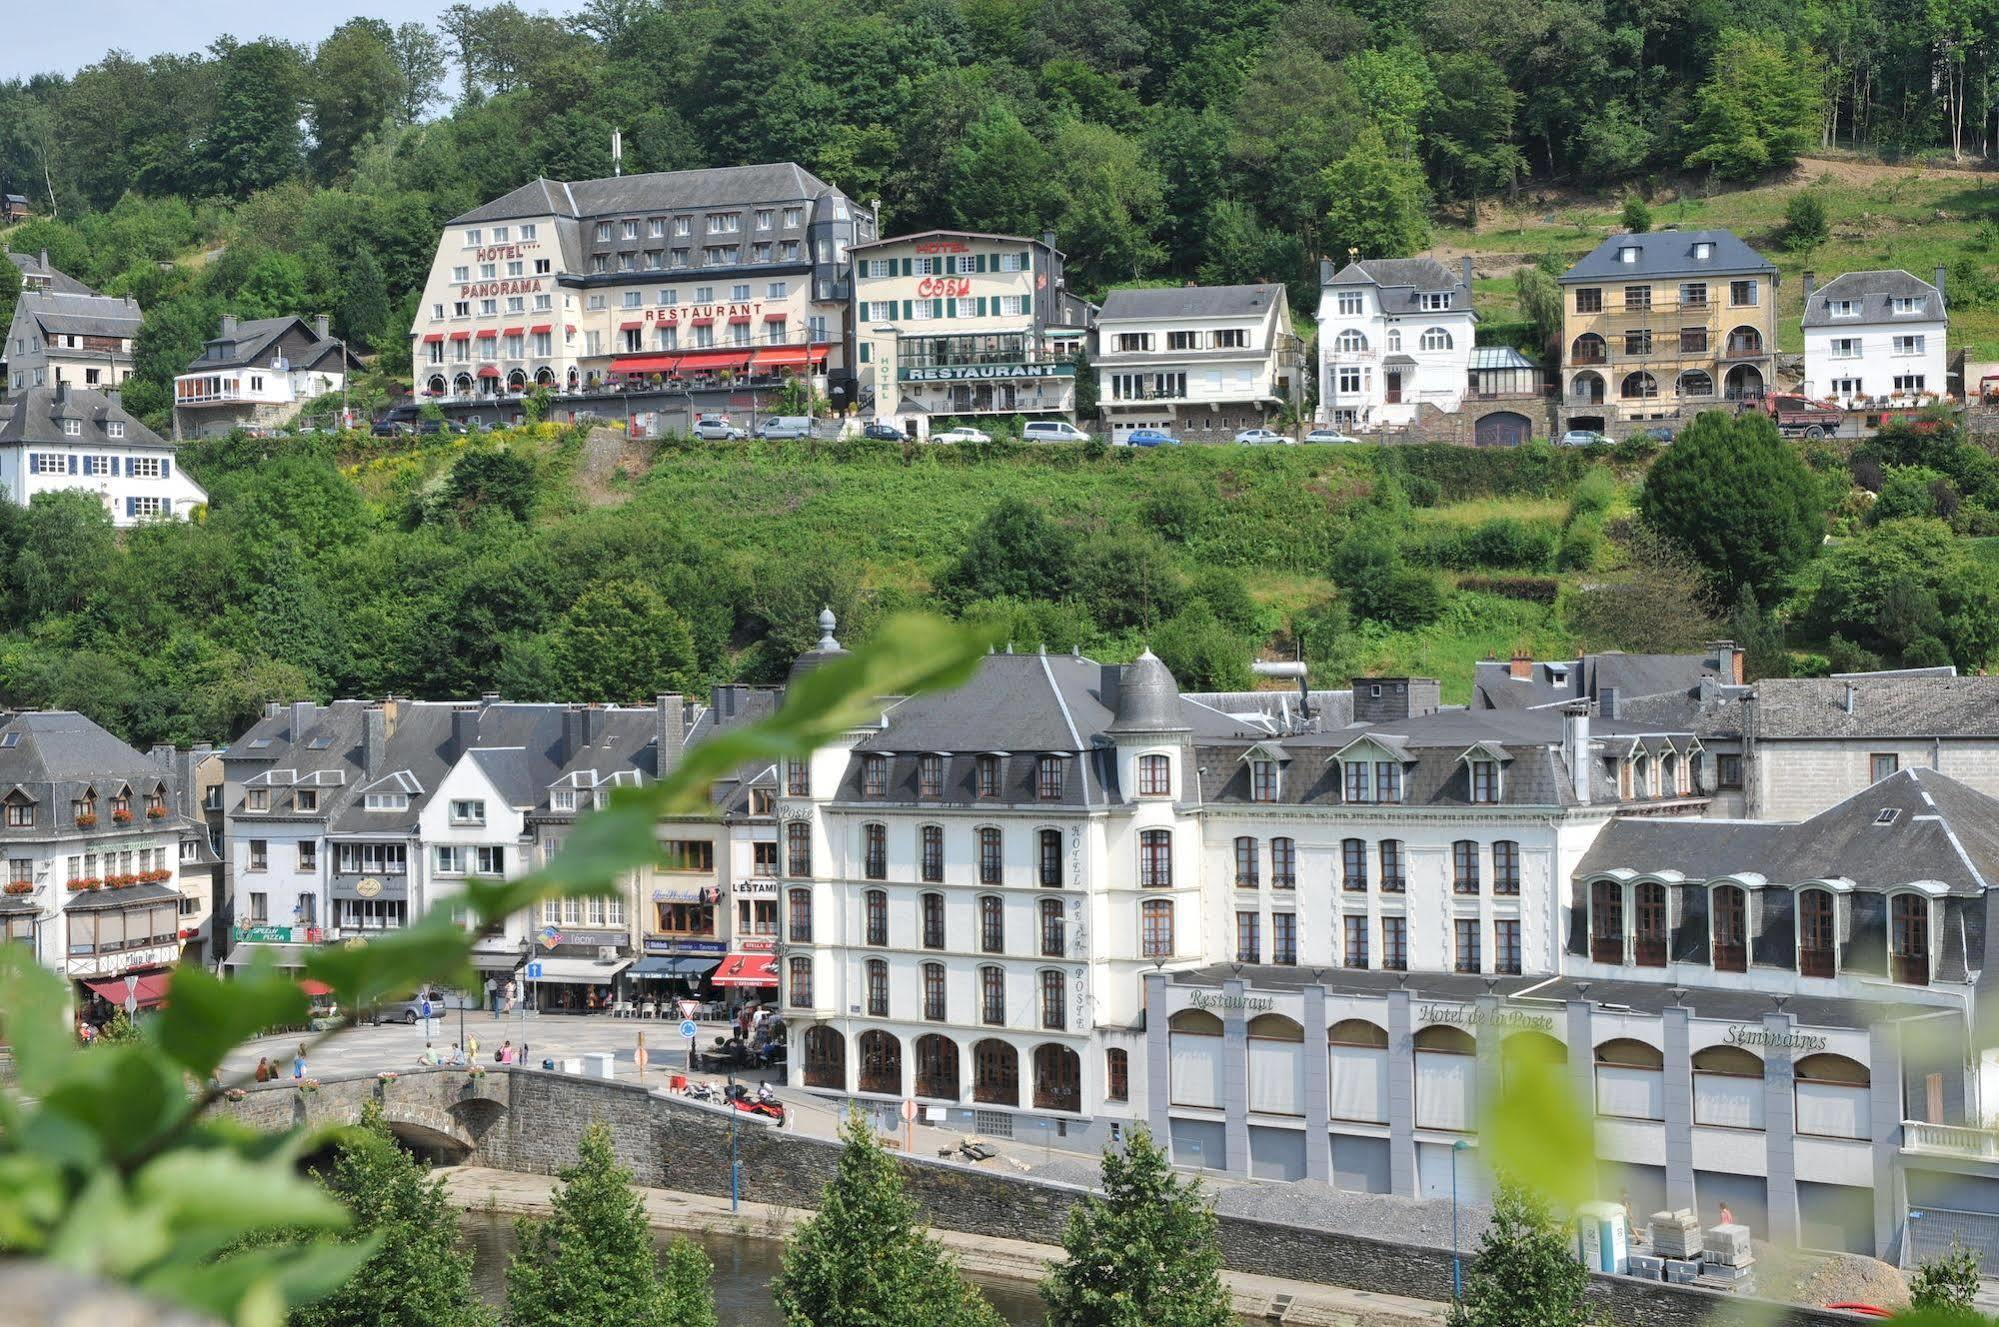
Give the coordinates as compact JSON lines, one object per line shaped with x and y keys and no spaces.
{"x":1145,"y":1254}
{"x":1469,"y":130}
{"x":1379,"y":202}
{"x":495,"y":479}
{"x":1906,"y":579}
{"x":253,"y":142}
{"x":1525,"y":1273}
{"x":1200,"y":650}
{"x":1736,"y":496}
{"x":363,"y":314}
{"x":1109,"y":193}
{"x":420,"y":69}
{"x":1126,"y":579}
{"x":69,"y":552}
{"x":420,"y":1275}
{"x":1637,"y":214}
{"x":355,"y":88}
{"x":1758,"y":108}
{"x":1540,"y":299}
{"x":864,"y":1259}
{"x":1376,"y":584}
{"x":1015,"y":552}
{"x":620,"y":641}
{"x":593,"y":1259}
{"x":1805,"y":223}
{"x":1947,"y":1282}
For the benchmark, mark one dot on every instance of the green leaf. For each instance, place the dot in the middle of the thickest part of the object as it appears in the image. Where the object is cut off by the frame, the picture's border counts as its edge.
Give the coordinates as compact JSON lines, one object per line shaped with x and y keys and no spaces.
{"x":251,"y":1288}
{"x":363,"y":973}
{"x":205,"y":1017}
{"x":34,"y":1000}
{"x":128,"y":1095}
{"x":1538,"y":1134}
{"x":31,"y":1199}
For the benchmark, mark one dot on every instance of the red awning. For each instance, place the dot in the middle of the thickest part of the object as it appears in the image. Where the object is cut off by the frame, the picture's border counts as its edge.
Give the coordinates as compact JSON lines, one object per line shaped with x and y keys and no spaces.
{"x":739,"y":317}
{"x":631,"y":326}
{"x":434,"y":336}
{"x":486,"y":333}
{"x":311,"y":987}
{"x":488,"y":371}
{"x":780,"y":356}
{"x":510,"y":331}
{"x":702,"y":322}
{"x":644,"y":364}
{"x":569,"y":328}
{"x":774,"y":317}
{"x":747,"y":970}
{"x":151,"y":989}
{"x":461,"y":336}
{"x":539,"y":328}
{"x":714,"y":359}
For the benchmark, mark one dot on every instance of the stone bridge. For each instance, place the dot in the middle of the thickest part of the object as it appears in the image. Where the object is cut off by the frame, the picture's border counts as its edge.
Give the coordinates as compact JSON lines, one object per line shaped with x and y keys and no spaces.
{"x":448,"y":1114}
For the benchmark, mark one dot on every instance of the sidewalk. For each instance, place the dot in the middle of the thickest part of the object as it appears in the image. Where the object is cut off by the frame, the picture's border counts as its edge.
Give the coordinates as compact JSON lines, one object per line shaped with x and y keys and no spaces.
{"x":1294,"y":1303}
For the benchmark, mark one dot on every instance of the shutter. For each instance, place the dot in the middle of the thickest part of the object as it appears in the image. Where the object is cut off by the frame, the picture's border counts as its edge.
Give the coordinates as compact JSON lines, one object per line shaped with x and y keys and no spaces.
{"x":951,"y":307}
{"x":72,"y":463}
{"x":131,"y":466}
{"x":1690,"y":938}
{"x":982,"y":306}
{"x":866,"y":346}
{"x":937,"y":308}
{"x":1027,"y":260}
{"x":906,"y":267}
{"x":166,"y":469}
{"x":1776,"y":936}
{"x":1027,"y":306}
{"x":906,"y":311}
{"x":979,"y":262}
{"x":1579,"y":918}
{"x":131,"y":506}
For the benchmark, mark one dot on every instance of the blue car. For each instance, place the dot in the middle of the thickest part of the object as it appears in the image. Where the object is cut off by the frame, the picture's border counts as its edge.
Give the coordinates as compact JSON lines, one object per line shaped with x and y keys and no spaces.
{"x":1150,"y":438}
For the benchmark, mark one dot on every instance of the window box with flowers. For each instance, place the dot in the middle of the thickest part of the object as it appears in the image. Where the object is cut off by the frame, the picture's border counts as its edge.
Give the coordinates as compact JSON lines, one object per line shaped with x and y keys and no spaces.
{"x":235,"y":1094}
{"x":85,"y":882}
{"x":120,"y":881}
{"x":122,"y":816}
{"x":156,"y":813}
{"x":19,"y":887}
{"x":386,"y":1077}
{"x":86,"y":820}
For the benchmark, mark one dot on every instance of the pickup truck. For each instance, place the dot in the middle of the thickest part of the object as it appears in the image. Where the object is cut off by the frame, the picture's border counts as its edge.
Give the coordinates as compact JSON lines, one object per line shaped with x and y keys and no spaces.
{"x":1799,"y":417}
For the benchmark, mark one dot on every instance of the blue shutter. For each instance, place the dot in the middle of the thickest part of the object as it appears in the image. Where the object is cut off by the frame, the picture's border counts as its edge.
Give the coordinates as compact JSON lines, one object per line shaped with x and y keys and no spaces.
{"x":131,"y":506}
{"x":166,"y":469}
{"x":131,"y":466}
{"x":72,"y":462}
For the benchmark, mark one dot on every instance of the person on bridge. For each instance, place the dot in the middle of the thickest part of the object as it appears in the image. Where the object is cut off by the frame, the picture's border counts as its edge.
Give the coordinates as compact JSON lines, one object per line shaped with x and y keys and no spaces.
{"x":264,"y":1071}
{"x":298,"y":1062}
{"x":471,"y":1047}
{"x":493,"y":996}
{"x":429,"y":1057}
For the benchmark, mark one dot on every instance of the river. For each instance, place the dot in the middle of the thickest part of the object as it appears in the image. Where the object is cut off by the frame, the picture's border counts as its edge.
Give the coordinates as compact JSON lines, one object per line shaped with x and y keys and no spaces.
{"x":744,"y":1267}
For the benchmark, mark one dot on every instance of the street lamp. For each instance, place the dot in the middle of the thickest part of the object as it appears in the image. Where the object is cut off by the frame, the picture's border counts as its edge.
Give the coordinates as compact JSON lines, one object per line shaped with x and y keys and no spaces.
{"x":1457,"y":1261}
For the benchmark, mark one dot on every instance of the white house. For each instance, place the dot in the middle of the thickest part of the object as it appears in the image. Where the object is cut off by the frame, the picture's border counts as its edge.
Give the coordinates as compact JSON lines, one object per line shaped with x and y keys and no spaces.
{"x":64,"y":437}
{"x":258,"y":373}
{"x":1196,"y":358}
{"x":1875,"y":338}
{"x":1394,"y":334}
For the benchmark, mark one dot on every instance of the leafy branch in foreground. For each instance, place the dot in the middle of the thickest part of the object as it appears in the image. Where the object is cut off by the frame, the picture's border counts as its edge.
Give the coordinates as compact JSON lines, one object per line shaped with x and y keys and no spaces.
{"x":109,"y":1161}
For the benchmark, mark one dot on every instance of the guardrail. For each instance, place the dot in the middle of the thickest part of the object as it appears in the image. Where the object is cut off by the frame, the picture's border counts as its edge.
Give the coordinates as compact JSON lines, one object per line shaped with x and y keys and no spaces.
{"x":1959,"y":1140}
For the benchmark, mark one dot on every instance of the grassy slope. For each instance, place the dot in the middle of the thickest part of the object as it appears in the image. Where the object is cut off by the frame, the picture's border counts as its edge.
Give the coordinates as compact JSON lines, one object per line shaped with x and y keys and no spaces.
{"x":1907,"y":217}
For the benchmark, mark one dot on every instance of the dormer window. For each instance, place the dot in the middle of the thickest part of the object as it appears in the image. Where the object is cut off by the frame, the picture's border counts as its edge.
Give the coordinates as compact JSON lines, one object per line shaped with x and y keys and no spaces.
{"x":989,"y":776}
{"x":1703,"y":250}
{"x":306,"y":799}
{"x":257,"y":799}
{"x":1155,"y":776}
{"x":930,"y":776}
{"x":1049,"y":778}
{"x":1629,"y":253}
{"x":874,"y":776}
{"x":1904,"y":305}
{"x":1842,"y":308}
{"x":1262,"y":780}
{"x":1436,"y":301}
{"x":20,"y":812}
{"x":1641,"y":778}
{"x":562,"y":799}
{"x":1356,"y":781}
{"x":1485,"y":781}
{"x":400,"y":801}
{"x":1388,"y":782}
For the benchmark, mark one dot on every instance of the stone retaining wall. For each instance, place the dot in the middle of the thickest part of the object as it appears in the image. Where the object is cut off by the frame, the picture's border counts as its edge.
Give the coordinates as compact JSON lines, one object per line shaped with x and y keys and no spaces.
{"x":531,"y":1121}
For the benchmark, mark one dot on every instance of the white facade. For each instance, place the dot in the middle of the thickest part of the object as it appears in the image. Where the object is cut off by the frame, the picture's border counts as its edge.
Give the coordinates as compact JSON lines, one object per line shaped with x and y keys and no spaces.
{"x":1394,"y":335}
{"x":1876,"y":338}
{"x":1218,"y":359}
{"x":69,"y":439}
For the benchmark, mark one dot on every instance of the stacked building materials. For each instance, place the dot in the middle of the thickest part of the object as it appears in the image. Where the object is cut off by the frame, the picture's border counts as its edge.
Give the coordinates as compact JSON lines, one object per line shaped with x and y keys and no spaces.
{"x":1676,"y":1234}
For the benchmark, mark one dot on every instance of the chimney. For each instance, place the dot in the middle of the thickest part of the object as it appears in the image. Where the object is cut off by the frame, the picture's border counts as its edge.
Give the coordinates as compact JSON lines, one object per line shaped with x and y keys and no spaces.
{"x":464,"y":731}
{"x":1847,"y":702}
{"x":1392,"y":699}
{"x":1939,"y":285}
{"x":1810,"y":279}
{"x":669,"y":731}
{"x":1727,"y":661}
{"x":115,"y":396}
{"x":592,"y":727}
{"x":1522,"y":667}
{"x":572,"y":732}
{"x":1576,"y":748}
{"x":1326,"y":271}
{"x":62,"y":389}
{"x":1467,"y":270}
{"x":1609,"y":703}
{"x":488,"y":699}
{"x":392,"y":710}
{"x":273,"y":708}
{"x":1108,"y":676}
{"x":374,"y":741}
{"x":302,"y":714}
{"x":320,"y":328}
{"x":1048,"y":238}
{"x":228,"y":325}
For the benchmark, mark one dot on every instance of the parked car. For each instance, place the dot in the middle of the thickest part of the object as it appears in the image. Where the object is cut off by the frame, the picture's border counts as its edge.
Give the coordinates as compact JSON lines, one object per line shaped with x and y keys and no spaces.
{"x":410,"y":1011}
{"x":717,"y":428}
{"x":1053,"y":430}
{"x":785,"y":426}
{"x":961,"y":434}
{"x":1328,"y":435}
{"x":882,"y":433}
{"x":1150,"y":438}
{"x":1262,"y":437}
{"x":1581,"y":438}
{"x":388,"y":427}
{"x":1658,"y":435}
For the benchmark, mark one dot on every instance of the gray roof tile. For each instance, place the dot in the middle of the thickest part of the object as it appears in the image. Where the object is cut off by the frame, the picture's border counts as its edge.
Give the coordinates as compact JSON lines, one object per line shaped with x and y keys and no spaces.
{"x":1925,"y":706}
{"x":1664,"y":253}
{"x":1873,"y":292}
{"x":1191,"y":302}
{"x":658,"y":191}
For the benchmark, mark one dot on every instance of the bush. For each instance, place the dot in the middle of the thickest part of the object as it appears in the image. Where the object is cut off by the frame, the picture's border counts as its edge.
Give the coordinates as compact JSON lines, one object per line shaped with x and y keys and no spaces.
{"x":1636,"y":215}
{"x":1582,"y":545}
{"x":1126,"y":579}
{"x":1223,"y":591}
{"x":1805,"y":223}
{"x":1203,"y":654}
{"x":1534,"y":589}
{"x":1946,"y":1283}
{"x":1737,"y":497}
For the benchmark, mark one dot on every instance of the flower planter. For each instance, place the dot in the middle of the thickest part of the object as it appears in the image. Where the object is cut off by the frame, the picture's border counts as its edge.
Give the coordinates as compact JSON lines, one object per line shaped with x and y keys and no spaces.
{"x":235,"y":1094}
{"x":156,"y":813}
{"x":121,"y":817}
{"x":20,"y":887}
{"x":386,"y":1077}
{"x":307,"y":1086}
{"x":84,"y":883}
{"x":86,"y":822}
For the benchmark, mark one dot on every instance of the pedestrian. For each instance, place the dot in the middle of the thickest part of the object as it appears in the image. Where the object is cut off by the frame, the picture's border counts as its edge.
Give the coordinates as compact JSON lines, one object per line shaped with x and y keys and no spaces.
{"x":457,"y":1056}
{"x":507,"y":997}
{"x":471,"y":1047}
{"x":1727,"y":1217}
{"x":298,"y":1062}
{"x":264,"y":1070}
{"x":429,"y":1056}
{"x":505,"y":1055}
{"x":423,"y":1012}
{"x":493,"y":996}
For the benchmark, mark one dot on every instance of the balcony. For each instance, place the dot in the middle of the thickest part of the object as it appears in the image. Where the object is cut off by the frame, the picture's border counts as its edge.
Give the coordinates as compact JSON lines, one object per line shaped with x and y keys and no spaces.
{"x":1954,"y":1140}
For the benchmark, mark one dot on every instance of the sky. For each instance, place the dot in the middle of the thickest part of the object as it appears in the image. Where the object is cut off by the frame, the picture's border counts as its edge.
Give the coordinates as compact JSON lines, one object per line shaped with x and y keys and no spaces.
{"x":143,"y":28}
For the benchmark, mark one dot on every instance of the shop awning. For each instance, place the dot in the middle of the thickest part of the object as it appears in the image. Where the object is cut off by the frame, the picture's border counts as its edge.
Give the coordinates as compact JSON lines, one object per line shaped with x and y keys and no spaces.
{"x":631,"y":326}
{"x":739,"y":317}
{"x":644,"y":363}
{"x":714,"y":359}
{"x":586,"y":971}
{"x":510,"y":331}
{"x":539,"y":328}
{"x":775,"y":317}
{"x":487,"y":333}
{"x":705,"y":320}
{"x":314,"y":988}
{"x":782,"y":356}
{"x":461,"y":336}
{"x":747,"y":970}
{"x":489,"y":371}
{"x":676,"y":965}
{"x":433,"y":338}
{"x":151,"y":989}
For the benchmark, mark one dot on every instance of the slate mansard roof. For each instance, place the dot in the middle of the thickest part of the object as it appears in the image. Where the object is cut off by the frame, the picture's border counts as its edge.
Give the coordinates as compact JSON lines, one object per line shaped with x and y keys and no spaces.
{"x":1250,"y":301}
{"x":55,"y":757}
{"x":1939,"y":830}
{"x":1670,"y":253}
{"x":1884,"y":706}
{"x":1874,"y":292}
{"x":35,"y":415}
{"x":1402,"y":280}
{"x":68,"y":314}
{"x":37,"y":271}
{"x":255,"y":340}
{"x":657,"y":191}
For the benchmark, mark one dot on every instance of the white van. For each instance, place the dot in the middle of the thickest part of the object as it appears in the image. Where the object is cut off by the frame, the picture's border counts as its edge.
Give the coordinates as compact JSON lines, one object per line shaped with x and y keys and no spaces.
{"x":1052,"y":430}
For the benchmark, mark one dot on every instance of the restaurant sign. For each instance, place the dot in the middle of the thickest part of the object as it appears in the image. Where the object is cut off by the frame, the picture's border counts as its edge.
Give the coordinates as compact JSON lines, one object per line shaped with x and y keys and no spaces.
{"x":1254,"y":1004}
{"x":1461,"y":1015}
{"x":673,"y":944}
{"x":973,"y":372}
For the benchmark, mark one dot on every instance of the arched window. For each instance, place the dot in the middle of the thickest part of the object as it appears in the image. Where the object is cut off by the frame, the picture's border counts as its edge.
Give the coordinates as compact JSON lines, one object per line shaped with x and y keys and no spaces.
{"x":1353,"y":864}
{"x":995,"y":1073}
{"x":1156,"y":929}
{"x":1054,"y":933}
{"x":874,"y":855}
{"x":544,"y":377}
{"x":930,"y":847}
{"x":1630,"y":1080}
{"x":1728,"y":1088}
{"x":800,"y":903}
{"x":798,"y":848}
{"x":1587,"y":349}
{"x":877,"y":980}
{"x":1464,"y":867}
{"x":1155,"y":859}
{"x":1350,"y":341}
{"x":1359,"y":1071}
{"x":989,"y":855}
{"x":436,"y":385}
{"x":1744,"y":341}
{"x":1696,"y":382}
{"x":1117,"y":1074}
{"x":517,"y":381}
{"x":1587,"y":389}
{"x":1048,"y":843}
{"x":462,"y":385}
{"x":937,"y":1067}
{"x":1392,"y":342}
{"x":1155,"y":776}
{"x":1649,"y":940}
{"x":1436,"y":338}
{"x":1606,"y":922}
{"x":825,"y":1058}
{"x":875,"y":906}
{"x":881,"y":1062}
{"x":1818,"y":934}
{"x":1909,"y":939}
{"x":1194,"y":1038}
{"x":931,"y":907}
{"x":992,"y":924}
{"x":1276,"y":1065}
{"x":1731,"y":929}
{"x":798,"y":985}
{"x":992,"y":996}
{"x":1640,"y":386}
{"x":1445,"y":1070}
{"x":1058,"y":1078}
{"x":1245,"y":863}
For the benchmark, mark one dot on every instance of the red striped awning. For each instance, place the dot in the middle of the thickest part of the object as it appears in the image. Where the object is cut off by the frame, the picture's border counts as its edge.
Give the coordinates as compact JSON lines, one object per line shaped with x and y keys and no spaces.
{"x":739,"y":318}
{"x":714,"y":359}
{"x":432,"y":337}
{"x":644,"y":363}
{"x":790,"y":356}
{"x":315,"y":988}
{"x":539,"y":328}
{"x":631,"y":326}
{"x":151,"y":989}
{"x":461,"y":336}
{"x":747,"y":970}
{"x":775,"y":317}
{"x":489,"y":371}
{"x":487,"y":333}
{"x":704,"y":321}
{"x":510,"y":331}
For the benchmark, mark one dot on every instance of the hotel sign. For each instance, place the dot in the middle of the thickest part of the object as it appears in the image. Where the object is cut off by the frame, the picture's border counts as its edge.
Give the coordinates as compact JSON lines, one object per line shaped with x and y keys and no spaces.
{"x":1459,"y":1015}
{"x":1749,"y":1034}
{"x":976,"y":372}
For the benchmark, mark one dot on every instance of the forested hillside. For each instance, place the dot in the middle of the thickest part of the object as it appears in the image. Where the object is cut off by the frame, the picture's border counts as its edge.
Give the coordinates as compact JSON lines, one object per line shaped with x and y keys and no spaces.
{"x":1220,"y":140}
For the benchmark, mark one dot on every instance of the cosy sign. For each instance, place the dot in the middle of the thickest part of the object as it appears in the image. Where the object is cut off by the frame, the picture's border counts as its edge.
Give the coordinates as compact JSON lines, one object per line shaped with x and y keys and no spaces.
{"x":933,"y":287}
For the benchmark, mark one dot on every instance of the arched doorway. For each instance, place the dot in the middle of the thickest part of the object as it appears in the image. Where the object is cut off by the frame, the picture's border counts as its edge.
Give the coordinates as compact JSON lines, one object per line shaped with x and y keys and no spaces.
{"x":937,"y":1067}
{"x":1744,"y":383}
{"x":435,"y":387}
{"x":825,"y":1058}
{"x":1058,"y":1078}
{"x":995,"y":1073}
{"x":1586,"y":389}
{"x":462,"y":385}
{"x":1502,"y":428}
{"x":544,"y":377}
{"x":881,"y":1063}
{"x":1639,"y":386}
{"x":1696,"y":382}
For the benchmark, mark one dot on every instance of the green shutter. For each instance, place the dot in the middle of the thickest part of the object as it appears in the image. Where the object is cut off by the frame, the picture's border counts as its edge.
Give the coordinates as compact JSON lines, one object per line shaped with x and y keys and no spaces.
{"x":866,"y":346}
{"x":937,"y":308}
{"x":905,"y":267}
{"x":1027,"y":306}
{"x":979,"y":263}
{"x":906,"y":315}
{"x":1027,"y":260}
{"x":982,"y":306}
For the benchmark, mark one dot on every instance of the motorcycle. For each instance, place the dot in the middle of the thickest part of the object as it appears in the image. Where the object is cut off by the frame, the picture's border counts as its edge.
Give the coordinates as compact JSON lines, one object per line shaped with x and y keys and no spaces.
{"x":698,"y":1091}
{"x":764,"y":1102}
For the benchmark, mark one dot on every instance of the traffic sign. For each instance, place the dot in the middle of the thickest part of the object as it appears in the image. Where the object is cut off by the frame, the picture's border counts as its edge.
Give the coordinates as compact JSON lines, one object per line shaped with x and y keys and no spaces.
{"x":688,"y":1029}
{"x":534,"y":972}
